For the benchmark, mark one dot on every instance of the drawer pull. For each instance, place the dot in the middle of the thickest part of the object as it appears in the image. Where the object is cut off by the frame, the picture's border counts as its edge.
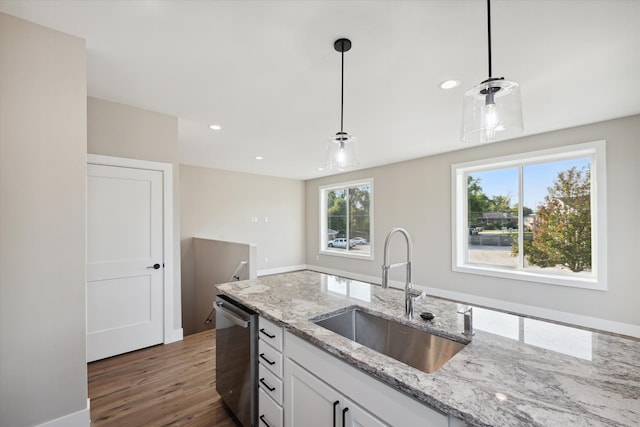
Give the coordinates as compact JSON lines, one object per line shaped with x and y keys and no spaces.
{"x":336,"y":403}
{"x":263,"y":420}
{"x":270,"y":362}
{"x":264,"y":383}
{"x":262,"y":331}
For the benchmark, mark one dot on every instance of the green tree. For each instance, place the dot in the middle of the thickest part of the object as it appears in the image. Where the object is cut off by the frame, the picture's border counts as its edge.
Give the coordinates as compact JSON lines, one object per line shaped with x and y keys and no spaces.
{"x":562,"y":234}
{"x":337,"y":211}
{"x":478,"y":202}
{"x":525,"y":210}
{"x":500,"y":204}
{"x":359,"y":215}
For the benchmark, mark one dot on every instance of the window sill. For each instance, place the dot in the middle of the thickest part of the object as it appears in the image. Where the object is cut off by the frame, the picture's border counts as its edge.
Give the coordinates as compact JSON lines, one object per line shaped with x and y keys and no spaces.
{"x":345,"y":254}
{"x":530,"y":276}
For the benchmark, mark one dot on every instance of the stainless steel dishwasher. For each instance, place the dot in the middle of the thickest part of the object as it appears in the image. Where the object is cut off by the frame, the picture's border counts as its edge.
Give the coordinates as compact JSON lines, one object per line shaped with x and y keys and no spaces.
{"x":236,"y":362}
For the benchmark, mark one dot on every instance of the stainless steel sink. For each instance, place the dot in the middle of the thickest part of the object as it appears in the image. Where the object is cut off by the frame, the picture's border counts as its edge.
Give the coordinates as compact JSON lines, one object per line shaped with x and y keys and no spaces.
{"x":409,"y":345}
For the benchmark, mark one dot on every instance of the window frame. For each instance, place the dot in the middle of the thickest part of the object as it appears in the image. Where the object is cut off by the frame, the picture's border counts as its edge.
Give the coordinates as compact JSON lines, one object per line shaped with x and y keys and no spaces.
{"x":323,"y":240}
{"x":596,"y":151}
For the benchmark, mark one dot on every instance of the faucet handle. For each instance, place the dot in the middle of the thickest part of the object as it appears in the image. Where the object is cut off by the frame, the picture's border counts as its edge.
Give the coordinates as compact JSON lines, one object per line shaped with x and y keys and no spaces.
{"x":468,"y":320}
{"x":416,"y":294}
{"x":468,"y":310}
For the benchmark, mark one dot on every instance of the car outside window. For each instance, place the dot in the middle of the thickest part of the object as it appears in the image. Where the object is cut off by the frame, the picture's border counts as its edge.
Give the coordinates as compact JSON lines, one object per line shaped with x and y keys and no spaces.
{"x":346,"y":219}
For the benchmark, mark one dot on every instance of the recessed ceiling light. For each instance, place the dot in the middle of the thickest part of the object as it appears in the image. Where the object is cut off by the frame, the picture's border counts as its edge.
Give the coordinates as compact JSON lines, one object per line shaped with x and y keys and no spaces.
{"x":320,"y":169}
{"x":215,"y":127}
{"x":259,"y":158}
{"x":449,"y":84}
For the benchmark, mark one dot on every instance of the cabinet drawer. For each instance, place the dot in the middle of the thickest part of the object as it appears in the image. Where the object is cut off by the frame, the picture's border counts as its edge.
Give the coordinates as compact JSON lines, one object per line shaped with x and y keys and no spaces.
{"x":269,"y":413}
{"x":270,"y":384}
{"x":271,"y":333}
{"x":270,"y":358}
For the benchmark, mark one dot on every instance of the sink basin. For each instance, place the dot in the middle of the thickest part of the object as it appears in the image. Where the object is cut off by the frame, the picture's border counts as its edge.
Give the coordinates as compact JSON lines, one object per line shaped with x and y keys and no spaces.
{"x":409,"y":345}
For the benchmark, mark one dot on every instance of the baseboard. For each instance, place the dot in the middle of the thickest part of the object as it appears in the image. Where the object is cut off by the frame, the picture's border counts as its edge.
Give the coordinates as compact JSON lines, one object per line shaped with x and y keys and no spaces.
{"x":81,"y":418}
{"x":279,"y":270}
{"x":511,"y":307}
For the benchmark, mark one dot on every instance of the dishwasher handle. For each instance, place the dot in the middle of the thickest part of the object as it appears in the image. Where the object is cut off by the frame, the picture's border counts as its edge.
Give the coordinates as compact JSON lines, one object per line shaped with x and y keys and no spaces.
{"x":219,"y":306}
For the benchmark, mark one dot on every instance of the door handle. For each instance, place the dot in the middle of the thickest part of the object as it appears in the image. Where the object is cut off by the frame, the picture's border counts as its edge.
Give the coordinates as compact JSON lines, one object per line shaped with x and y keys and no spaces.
{"x":344,"y":416}
{"x":154,"y":266}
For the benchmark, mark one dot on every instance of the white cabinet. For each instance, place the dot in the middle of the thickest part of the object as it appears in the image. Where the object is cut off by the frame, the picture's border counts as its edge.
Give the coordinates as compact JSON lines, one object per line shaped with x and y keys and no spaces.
{"x":313,"y":403}
{"x":314,"y":380}
{"x":270,"y":366}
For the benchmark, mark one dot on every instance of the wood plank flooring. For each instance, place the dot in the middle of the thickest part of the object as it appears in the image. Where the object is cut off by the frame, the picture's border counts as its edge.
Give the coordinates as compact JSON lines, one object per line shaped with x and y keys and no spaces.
{"x":165,"y":385}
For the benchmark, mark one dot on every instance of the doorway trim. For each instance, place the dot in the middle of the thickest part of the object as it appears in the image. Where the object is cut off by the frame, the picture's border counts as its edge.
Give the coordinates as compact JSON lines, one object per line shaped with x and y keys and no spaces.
{"x":169,"y":333}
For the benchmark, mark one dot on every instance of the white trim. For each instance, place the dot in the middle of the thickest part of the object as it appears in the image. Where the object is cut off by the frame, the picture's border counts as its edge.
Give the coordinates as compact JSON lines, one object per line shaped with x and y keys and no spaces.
{"x":278,"y":270}
{"x":323,"y":219}
{"x":81,"y":418}
{"x":511,"y":307}
{"x":596,"y":151}
{"x":170,"y":335}
{"x":177,"y":335}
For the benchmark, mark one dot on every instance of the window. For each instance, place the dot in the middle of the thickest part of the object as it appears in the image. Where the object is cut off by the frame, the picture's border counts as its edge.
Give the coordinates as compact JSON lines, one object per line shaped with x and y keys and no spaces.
{"x":536,"y":216}
{"x":346,"y":219}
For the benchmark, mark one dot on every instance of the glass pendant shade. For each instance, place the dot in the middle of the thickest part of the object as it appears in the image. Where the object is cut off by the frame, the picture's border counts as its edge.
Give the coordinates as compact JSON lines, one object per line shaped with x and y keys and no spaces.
{"x":492,"y":111}
{"x":342,"y":149}
{"x":342,"y":152}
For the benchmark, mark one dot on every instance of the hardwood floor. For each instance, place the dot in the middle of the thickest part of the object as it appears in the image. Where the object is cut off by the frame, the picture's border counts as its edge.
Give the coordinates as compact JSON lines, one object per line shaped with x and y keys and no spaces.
{"x":165,"y":385}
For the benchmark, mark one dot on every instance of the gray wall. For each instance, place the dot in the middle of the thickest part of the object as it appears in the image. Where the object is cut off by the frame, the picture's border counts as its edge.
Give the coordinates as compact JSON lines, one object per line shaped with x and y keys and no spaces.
{"x":42,"y":224}
{"x":122,"y":131}
{"x":416,"y":195}
{"x":211,"y":262}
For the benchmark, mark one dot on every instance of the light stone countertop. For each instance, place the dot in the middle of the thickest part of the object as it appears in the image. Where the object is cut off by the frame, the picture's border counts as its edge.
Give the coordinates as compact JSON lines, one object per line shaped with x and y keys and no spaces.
{"x":516,"y":371}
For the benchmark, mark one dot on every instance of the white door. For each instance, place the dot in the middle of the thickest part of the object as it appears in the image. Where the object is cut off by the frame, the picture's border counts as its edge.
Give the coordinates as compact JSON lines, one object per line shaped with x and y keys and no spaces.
{"x":124,"y":260}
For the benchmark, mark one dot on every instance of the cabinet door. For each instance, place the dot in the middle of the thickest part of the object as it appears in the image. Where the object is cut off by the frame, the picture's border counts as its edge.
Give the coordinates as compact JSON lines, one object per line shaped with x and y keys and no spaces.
{"x":314,"y":403}
{"x":355,"y":416}
{"x":310,"y":401}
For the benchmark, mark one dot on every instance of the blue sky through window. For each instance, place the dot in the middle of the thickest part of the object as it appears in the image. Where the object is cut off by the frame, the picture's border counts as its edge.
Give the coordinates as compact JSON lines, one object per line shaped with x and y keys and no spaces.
{"x":536,"y":179}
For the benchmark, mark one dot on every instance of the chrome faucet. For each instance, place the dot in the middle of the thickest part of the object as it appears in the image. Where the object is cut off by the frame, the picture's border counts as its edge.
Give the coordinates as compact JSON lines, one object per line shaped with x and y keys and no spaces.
{"x":410,"y":294}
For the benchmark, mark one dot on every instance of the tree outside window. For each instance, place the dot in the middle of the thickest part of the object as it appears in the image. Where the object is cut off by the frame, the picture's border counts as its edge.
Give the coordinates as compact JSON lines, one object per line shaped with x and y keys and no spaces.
{"x":535,"y":216}
{"x":346,"y":226}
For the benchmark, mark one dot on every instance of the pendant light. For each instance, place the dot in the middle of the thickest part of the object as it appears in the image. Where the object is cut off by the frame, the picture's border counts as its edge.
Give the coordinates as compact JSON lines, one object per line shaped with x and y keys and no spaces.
{"x":492,"y":110}
{"x":342,"y":150}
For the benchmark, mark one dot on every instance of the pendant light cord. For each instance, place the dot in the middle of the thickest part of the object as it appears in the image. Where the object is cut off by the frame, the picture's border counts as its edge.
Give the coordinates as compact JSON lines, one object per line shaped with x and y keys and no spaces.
{"x":342,"y":90}
{"x":489,"y":33}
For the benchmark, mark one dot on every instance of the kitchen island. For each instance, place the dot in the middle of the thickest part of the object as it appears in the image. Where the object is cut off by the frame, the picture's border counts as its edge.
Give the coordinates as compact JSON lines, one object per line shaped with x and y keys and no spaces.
{"x":515,"y":371}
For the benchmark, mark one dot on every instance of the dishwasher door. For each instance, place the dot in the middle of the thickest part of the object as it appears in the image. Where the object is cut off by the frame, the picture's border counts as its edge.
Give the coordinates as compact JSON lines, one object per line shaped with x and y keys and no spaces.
{"x":236,"y":362}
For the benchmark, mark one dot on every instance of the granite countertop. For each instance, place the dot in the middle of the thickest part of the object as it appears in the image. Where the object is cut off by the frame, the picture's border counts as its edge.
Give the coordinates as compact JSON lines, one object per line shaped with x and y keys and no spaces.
{"x":515,"y":371}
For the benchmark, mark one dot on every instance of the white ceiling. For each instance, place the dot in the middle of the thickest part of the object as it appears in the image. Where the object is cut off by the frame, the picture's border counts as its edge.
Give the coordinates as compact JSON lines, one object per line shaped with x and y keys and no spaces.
{"x":266,"y":71}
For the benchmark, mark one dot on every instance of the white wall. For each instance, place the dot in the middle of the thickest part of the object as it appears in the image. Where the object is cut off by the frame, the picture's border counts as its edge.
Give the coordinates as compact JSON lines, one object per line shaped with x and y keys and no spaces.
{"x":42,"y":225}
{"x":123,"y":131}
{"x":220,"y":205}
{"x":416,"y":195}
